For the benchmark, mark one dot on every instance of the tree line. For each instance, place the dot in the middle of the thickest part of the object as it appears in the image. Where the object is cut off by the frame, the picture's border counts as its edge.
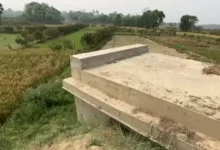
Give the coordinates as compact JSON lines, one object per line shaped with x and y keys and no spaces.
{"x":42,"y":13}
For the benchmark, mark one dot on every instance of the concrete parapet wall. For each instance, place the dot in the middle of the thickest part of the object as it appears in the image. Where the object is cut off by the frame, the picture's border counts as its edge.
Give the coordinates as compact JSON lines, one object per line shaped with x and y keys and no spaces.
{"x":98,"y":58}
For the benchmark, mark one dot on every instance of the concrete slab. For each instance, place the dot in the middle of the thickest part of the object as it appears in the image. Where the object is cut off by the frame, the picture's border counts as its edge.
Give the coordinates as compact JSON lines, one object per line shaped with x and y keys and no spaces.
{"x":141,"y":122}
{"x":162,"y":87}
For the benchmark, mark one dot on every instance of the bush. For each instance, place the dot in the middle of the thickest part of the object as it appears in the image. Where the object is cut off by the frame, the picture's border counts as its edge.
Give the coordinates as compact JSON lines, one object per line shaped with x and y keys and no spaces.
{"x":97,"y":39}
{"x":38,"y":35}
{"x":20,"y":41}
{"x":184,"y":34}
{"x":56,"y":46}
{"x":9,"y":29}
{"x":51,"y":33}
{"x":67,"y":44}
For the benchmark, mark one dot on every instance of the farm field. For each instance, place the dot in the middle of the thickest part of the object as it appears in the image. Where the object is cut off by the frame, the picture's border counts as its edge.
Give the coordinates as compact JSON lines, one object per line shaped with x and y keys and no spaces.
{"x":22,"y":69}
{"x":75,"y":37}
{"x":198,"y":48}
{"x":199,"y":34}
{"x":6,"y":39}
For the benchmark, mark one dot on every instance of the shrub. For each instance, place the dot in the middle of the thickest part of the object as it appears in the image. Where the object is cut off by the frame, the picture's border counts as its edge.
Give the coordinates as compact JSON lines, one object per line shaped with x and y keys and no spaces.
{"x":56,"y":46}
{"x":184,"y":34}
{"x":97,"y":39}
{"x":20,"y":41}
{"x":40,"y":28}
{"x":51,"y":32}
{"x":19,"y":28}
{"x":67,"y":44}
{"x":30,"y":29}
{"x":9,"y":29}
{"x":38,"y":35}
{"x":218,"y":40}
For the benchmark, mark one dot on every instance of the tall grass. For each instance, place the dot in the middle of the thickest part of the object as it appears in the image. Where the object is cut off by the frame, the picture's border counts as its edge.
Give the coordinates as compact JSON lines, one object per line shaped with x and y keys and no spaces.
{"x":22,"y":69}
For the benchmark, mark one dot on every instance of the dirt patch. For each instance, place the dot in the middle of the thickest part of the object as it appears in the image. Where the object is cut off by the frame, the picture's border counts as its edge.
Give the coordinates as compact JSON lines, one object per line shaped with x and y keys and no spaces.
{"x":83,"y":142}
{"x":213,"y":69}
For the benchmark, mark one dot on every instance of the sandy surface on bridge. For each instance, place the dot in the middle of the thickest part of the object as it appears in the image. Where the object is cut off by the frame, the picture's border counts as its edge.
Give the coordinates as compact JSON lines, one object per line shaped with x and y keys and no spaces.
{"x":173,"y":79}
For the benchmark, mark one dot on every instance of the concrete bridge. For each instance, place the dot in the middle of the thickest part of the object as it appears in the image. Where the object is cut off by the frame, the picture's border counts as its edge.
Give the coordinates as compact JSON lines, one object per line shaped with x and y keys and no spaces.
{"x":161,"y":97}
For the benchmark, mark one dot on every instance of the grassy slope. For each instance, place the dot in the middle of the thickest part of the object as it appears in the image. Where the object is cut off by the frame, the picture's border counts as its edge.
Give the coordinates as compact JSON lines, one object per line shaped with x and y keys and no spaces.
{"x":6,"y":39}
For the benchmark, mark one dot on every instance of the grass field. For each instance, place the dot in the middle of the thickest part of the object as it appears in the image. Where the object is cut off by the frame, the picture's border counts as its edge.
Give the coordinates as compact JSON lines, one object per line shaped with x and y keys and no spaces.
{"x":6,"y":39}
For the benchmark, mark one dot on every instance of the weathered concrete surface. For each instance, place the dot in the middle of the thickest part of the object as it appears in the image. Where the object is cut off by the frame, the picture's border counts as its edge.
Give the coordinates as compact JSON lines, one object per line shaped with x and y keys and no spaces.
{"x":89,"y":114}
{"x":98,"y":58}
{"x":162,"y":86}
{"x":141,"y":122}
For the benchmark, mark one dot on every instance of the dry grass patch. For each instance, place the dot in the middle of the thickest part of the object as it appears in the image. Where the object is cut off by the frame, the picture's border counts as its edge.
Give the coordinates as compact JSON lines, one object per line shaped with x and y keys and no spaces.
{"x":213,"y":69}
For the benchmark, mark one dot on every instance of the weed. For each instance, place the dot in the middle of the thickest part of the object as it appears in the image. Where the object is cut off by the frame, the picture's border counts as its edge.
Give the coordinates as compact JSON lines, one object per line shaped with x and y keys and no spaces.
{"x":95,"y":142}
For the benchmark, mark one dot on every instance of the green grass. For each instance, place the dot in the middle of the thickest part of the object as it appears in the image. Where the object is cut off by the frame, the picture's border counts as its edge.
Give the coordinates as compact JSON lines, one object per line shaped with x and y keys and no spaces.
{"x":75,"y":37}
{"x":6,"y":39}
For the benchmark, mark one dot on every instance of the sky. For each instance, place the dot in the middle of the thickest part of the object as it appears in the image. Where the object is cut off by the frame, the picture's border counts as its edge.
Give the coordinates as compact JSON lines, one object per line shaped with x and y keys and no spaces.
{"x":208,"y":11}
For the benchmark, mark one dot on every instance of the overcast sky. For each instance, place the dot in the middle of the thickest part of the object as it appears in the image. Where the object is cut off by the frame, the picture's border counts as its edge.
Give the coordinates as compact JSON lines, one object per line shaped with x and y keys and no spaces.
{"x":208,"y":11}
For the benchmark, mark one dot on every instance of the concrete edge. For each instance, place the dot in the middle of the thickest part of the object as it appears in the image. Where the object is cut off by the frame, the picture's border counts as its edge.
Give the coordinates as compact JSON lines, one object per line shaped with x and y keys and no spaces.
{"x":135,"y":124}
{"x":98,"y":58}
{"x":159,"y":107}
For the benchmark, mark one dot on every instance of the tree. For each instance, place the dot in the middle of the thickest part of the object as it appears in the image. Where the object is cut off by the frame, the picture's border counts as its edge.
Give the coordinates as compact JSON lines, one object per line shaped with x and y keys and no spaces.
{"x":118,"y":20}
{"x":1,"y":12}
{"x":188,"y":22}
{"x":152,"y":19}
{"x":42,"y":13}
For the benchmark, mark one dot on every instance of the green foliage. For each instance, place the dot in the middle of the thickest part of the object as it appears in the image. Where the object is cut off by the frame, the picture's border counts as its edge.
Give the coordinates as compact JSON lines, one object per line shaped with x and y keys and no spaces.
{"x":56,"y":46}
{"x":61,"y":44}
{"x":51,"y":32}
{"x":38,"y":35}
{"x":71,"y":28}
{"x":1,"y":11}
{"x":20,"y":41}
{"x":152,"y":19}
{"x":19,"y":28}
{"x":8,"y":29}
{"x":187,"y":22}
{"x":97,"y":39}
{"x":67,"y":44}
{"x":36,"y":12}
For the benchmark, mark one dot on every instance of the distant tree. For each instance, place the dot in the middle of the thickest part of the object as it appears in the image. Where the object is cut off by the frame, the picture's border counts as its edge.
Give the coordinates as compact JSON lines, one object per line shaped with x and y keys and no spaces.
{"x":152,"y":19}
{"x":118,"y":20}
{"x":188,"y":22}
{"x":1,"y":12}
{"x":42,"y":13}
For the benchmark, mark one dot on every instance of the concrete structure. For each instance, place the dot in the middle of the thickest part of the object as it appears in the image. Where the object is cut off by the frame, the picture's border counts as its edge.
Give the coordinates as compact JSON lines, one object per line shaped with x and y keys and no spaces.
{"x":165,"y":98}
